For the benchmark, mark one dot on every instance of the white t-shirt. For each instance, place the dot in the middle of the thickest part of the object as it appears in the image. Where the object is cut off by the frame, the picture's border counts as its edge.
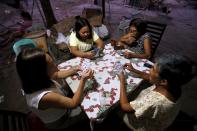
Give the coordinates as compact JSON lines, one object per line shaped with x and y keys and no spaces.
{"x":153,"y":111}
{"x":49,"y":115}
{"x":82,"y":45}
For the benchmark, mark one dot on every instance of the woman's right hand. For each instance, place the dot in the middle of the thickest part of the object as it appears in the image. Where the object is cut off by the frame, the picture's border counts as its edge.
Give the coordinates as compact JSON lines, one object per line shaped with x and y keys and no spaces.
{"x":87,"y":74}
{"x":128,"y":66}
{"x":76,"y":69}
{"x":127,"y":54}
{"x":131,"y":38}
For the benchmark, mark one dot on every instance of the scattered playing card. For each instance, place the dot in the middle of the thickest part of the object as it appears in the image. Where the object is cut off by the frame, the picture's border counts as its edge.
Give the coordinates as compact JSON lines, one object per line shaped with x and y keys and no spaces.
{"x":107,"y":81}
{"x":110,"y":69}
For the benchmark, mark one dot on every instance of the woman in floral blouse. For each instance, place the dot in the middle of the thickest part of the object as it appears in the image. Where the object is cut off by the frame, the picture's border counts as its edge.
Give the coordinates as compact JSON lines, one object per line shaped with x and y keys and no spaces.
{"x":137,"y":40}
{"x":156,"y":107}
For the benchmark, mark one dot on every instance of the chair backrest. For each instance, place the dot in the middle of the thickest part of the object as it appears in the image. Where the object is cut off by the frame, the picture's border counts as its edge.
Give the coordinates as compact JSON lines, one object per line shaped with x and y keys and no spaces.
{"x":23,"y":43}
{"x":13,"y":121}
{"x":18,"y":121}
{"x":156,"y":30}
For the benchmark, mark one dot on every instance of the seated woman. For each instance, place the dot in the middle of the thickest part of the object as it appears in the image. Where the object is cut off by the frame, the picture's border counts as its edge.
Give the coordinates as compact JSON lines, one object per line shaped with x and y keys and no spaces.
{"x":156,"y":107}
{"x":137,"y":40}
{"x":83,"y":38}
{"x":52,"y":69}
{"x":45,"y":96}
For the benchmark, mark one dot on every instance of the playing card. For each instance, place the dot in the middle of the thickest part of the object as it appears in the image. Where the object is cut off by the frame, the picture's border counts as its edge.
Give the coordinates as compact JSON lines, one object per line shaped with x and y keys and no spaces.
{"x":84,"y":66}
{"x":118,"y":67}
{"x":120,"y":52}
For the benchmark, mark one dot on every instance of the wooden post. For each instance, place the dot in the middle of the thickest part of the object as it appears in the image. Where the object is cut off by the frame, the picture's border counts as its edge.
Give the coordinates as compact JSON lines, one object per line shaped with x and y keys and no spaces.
{"x":103,"y":8}
{"x":48,"y":12}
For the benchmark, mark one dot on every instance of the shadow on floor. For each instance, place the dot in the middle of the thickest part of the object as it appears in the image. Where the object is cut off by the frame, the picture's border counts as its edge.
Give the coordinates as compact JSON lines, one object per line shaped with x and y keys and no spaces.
{"x":183,"y":122}
{"x":113,"y":122}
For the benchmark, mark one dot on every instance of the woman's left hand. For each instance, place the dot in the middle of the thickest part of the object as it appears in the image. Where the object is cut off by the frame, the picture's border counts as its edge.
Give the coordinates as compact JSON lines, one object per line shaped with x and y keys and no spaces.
{"x":89,"y":73}
{"x":89,"y":55}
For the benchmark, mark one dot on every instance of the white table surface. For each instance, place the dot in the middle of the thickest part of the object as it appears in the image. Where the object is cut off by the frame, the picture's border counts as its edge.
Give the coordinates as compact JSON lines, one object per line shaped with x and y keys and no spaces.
{"x":99,"y":98}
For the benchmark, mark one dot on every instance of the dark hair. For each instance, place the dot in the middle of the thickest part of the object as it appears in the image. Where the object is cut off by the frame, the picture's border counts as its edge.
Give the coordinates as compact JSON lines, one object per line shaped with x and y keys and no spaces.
{"x":177,"y":70}
{"x":26,"y":15}
{"x":31,"y":66}
{"x":139,"y":24}
{"x":81,"y":22}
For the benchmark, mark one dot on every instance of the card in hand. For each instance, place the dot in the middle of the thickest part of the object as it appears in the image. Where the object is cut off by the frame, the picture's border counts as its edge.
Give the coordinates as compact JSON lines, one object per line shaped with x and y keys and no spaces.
{"x":118,"y":67}
{"x":120,"y":52}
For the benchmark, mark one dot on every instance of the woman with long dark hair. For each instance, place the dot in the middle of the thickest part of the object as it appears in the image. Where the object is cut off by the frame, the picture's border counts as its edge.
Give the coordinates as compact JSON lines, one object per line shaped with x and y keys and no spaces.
{"x":45,"y":96}
{"x":137,"y":40}
{"x":83,"y":38}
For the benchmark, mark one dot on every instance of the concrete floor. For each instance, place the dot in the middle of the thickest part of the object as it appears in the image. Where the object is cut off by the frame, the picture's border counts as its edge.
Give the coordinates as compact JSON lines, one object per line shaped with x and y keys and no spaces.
{"x":179,"y":37}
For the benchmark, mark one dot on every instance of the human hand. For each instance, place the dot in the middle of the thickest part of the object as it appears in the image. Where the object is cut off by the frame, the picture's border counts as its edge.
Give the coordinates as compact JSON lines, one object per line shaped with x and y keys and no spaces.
{"x":119,"y":46}
{"x":120,"y":43}
{"x":113,"y":42}
{"x":131,"y":39}
{"x":121,"y":76}
{"x":128,"y":66}
{"x":133,"y":34}
{"x":76,"y":69}
{"x":127,"y":54}
{"x":87,"y":74}
{"x":89,"y":55}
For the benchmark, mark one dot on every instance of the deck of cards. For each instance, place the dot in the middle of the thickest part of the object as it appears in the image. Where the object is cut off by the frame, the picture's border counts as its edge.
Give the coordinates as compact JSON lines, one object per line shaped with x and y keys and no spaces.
{"x":85,"y":65}
{"x":118,"y":67}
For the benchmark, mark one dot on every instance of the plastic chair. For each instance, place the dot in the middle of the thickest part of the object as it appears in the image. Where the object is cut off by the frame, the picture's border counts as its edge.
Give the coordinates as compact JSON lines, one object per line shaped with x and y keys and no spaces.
{"x":23,"y":43}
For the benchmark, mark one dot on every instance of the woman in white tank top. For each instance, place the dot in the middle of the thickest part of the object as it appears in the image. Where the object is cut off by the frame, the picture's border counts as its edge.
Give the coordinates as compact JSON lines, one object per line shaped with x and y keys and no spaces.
{"x":44,"y":96}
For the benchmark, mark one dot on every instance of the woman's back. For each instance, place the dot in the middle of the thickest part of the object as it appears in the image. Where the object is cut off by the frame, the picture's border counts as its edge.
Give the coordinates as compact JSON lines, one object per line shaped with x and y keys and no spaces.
{"x":47,"y":115}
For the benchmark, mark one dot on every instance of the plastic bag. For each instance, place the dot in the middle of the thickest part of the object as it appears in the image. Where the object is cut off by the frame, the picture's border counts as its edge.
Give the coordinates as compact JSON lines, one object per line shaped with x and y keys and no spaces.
{"x":102,"y":31}
{"x":62,"y":39}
